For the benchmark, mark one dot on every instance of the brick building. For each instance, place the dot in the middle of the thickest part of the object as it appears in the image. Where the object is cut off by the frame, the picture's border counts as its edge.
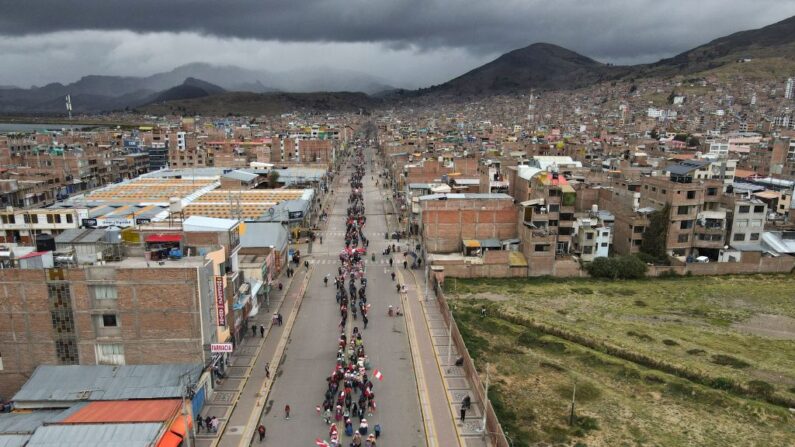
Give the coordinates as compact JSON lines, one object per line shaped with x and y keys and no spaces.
{"x":448,"y":219}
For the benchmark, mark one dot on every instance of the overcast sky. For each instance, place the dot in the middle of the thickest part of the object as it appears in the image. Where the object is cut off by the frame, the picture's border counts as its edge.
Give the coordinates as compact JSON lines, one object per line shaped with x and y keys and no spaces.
{"x":407,"y":43}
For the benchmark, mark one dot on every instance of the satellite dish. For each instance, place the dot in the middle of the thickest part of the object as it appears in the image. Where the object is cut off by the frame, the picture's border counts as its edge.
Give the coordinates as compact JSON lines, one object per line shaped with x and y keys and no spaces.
{"x":271,"y":211}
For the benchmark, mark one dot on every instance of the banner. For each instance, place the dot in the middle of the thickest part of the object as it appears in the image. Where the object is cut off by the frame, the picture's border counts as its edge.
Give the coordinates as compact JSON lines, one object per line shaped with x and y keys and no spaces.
{"x":220,"y":301}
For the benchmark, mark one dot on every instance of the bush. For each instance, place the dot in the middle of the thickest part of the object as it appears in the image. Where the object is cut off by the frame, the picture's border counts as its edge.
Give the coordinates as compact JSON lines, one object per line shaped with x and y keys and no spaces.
{"x":761,"y":388}
{"x":727,"y":360}
{"x":621,"y":267}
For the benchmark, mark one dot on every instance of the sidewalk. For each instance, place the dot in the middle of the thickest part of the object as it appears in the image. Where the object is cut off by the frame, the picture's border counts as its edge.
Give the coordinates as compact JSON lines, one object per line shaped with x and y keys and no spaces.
{"x":445,"y":383}
{"x":239,"y":399}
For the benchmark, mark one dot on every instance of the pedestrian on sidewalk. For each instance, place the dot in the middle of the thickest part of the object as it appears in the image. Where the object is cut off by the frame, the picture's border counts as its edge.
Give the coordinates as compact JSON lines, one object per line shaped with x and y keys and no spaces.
{"x":208,"y":423}
{"x":253,"y":330}
{"x":365,"y":320}
{"x":279,"y":316}
{"x":199,"y":423}
{"x":261,"y":431}
{"x":393,"y":273}
{"x":287,"y":411}
{"x":405,"y":264}
{"x":214,"y":424}
{"x":267,"y":370}
{"x":262,"y":331}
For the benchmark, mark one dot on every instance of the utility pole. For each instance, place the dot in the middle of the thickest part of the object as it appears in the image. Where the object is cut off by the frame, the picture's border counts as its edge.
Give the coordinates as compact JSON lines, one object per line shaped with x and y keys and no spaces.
{"x":573,"y":394}
{"x":449,"y":337}
{"x":188,"y":432}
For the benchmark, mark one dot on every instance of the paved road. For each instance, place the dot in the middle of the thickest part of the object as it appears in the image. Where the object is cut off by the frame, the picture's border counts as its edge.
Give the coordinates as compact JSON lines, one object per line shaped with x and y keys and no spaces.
{"x":310,"y":354}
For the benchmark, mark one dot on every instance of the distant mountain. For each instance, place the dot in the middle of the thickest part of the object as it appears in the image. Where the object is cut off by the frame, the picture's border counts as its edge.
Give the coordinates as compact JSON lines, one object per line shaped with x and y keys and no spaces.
{"x":244,"y":103}
{"x":776,"y":40}
{"x":94,"y":93}
{"x":545,"y":66}
{"x":190,"y":89}
{"x":538,"y":66}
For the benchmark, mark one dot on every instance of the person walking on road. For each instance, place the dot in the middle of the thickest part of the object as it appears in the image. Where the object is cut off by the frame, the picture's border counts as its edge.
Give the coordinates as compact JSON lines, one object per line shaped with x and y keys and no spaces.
{"x":261,"y":431}
{"x":280,"y":319}
{"x":405,"y":264}
{"x":466,"y":403}
{"x":267,"y":370}
{"x":393,"y":273}
{"x":253,"y":330}
{"x":262,"y":331}
{"x":287,"y":411}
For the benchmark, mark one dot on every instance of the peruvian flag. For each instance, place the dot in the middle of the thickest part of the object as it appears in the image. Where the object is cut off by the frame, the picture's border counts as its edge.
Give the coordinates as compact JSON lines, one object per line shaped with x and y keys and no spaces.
{"x":321,"y":443}
{"x":377,"y":374}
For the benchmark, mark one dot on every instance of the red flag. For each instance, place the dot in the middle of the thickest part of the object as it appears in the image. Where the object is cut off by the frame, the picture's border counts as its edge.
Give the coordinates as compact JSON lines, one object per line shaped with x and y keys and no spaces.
{"x":321,"y":443}
{"x":377,"y":374}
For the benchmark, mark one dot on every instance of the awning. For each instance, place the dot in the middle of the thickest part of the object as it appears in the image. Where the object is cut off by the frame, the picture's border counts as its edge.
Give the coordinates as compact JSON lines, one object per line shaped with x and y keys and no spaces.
{"x":169,"y":440}
{"x":532,"y":202}
{"x":471,"y":243}
{"x":490,"y":243}
{"x":511,"y":241}
{"x":163,"y":238}
{"x":255,"y":287}
{"x":178,"y":426}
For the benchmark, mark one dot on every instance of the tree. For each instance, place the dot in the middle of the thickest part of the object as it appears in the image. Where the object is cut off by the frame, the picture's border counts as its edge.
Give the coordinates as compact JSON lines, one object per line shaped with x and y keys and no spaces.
{"x":621,"y":267}
{"x":656,"y":234}
{"x":273,"y":178}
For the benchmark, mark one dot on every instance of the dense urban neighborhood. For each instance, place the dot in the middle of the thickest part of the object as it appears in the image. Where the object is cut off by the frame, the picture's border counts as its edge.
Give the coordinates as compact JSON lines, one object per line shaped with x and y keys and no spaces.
{"x":546,"y":250}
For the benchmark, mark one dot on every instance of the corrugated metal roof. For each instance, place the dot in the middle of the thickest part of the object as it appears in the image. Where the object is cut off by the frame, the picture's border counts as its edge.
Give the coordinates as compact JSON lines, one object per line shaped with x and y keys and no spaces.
{"x":201,"y":223}
{"x":66,"y":383}
{"x":470,"y":196}
{"x":100,"y":435}
{"x":150,"y":410}
{"x":13,"y":440}
{"x":20,"y":423}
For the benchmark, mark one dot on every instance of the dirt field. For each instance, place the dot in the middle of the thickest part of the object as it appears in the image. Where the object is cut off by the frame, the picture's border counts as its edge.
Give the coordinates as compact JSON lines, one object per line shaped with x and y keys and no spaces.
{"x":677,"y":362}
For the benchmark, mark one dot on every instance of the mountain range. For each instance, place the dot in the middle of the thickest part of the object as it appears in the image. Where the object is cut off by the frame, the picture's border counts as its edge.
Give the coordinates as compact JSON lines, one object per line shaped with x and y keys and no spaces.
{"x":209,"y":88}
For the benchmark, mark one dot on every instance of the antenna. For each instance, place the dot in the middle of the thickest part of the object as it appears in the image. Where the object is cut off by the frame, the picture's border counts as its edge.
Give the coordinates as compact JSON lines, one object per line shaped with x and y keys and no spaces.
{"x":69,"y":105}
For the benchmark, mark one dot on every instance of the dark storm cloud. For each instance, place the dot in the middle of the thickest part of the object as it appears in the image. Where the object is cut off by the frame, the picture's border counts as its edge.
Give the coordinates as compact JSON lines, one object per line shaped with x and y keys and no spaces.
{"x":608,"y":30}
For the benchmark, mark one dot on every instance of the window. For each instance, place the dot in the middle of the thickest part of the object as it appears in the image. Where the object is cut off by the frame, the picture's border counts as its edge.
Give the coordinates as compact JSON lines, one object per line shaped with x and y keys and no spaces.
{"x":109,"y":320}
{"x":541,"y":247}
{"x":685,"y":224}
{"x":604,"y":244}
{"x":554,"y":208}
{"x":691,"y":195}
{"x":638,"y":230}
{"x":553,"y":223}
{"x":606,"y":234}
{"x":105,"y":292}
{"x":589,"y":236}
{"x":683,"y":238}
{"x":754,"y":236}
{"x":587,"y":250}
{"x":739,"y":237}
{"x":68,"y":218}
{"x":110,"y":354}
{"x":759,"y":208}
{"x":683,"y":210}
{"x":712,"y":191}
{"x":744,"y":209}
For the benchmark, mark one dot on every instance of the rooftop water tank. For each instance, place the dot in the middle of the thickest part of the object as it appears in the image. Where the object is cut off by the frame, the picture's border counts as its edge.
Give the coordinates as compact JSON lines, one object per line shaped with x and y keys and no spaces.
{"x":45,"y":242}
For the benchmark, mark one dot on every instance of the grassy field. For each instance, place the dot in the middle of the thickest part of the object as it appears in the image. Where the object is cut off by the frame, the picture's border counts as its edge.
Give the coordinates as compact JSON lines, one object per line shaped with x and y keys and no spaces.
{"x":678,"y":362}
